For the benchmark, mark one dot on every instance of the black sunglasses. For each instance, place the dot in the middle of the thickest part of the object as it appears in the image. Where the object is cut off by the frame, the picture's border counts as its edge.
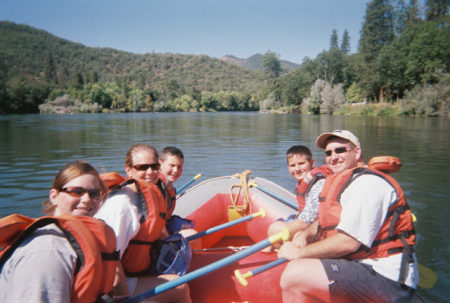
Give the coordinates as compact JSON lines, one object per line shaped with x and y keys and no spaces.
{"x":144,"y":167}
{"x":338,"y":150}
{"x":78,"y":192}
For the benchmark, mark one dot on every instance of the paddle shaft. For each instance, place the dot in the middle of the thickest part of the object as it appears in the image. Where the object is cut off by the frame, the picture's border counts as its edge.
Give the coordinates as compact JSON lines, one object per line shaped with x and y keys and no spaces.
{"x":207,"y":269}
{"x":225,"y":225}
{"x":179,"y":190}
{"x":284,"y":201}
{"x":268,"y":266}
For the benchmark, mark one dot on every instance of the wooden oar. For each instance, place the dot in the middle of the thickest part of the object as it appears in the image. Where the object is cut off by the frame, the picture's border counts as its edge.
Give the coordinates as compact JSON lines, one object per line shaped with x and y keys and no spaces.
{"x":282,"y":236}
{"x":211,"y":230}
{"x":182,"y":187}
{"x":288,"y":203}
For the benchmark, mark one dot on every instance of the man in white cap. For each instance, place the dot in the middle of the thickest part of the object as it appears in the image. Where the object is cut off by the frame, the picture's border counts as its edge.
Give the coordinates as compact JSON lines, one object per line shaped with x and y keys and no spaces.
{"x":364,"y":250}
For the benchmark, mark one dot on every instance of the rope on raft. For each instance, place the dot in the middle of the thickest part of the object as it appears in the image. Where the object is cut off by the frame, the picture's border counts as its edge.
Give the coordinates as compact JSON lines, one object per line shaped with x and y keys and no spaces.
{"x":246,"y":207}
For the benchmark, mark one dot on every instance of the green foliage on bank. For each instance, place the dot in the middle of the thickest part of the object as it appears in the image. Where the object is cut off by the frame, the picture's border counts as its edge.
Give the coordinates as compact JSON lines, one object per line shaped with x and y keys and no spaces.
{"x":401,"y":68}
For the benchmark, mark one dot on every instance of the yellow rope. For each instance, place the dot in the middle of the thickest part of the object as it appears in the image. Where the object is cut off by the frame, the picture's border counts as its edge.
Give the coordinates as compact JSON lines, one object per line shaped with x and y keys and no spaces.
{"x":246,"y":207}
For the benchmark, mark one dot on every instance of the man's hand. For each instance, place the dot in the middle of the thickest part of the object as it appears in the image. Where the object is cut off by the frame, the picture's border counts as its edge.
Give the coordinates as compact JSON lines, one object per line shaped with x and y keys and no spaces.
{"x":289,"y":251}
{"x":300,"y":239}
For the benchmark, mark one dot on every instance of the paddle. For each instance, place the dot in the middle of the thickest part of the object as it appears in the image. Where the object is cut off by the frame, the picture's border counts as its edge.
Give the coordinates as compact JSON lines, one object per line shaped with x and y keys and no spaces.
{"x":242,"y":278}
{"x":179,"y":190}
{"x":288,"y":203}
{"x":211,"y":230}
{"x":282,"y":236}
{"x":427,"y":276}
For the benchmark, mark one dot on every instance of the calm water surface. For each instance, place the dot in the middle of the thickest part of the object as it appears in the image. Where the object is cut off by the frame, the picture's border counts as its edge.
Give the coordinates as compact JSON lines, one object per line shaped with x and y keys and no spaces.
{"x":34,"y":147}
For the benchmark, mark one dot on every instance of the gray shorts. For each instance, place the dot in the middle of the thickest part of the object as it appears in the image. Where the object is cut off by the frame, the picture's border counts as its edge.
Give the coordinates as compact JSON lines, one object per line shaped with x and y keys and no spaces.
{"x":357,"y":282}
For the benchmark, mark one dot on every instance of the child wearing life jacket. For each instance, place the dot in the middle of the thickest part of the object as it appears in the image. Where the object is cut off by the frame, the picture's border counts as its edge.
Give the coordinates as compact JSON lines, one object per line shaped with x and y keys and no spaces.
{"x":137,"y":212}
{"x":310,"y":181}
{"x":59,"y":257}
{"x":171,"y":160}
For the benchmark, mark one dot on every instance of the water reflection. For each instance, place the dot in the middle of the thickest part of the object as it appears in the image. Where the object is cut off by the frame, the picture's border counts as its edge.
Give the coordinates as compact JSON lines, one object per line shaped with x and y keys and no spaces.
{"x":34,"y":147}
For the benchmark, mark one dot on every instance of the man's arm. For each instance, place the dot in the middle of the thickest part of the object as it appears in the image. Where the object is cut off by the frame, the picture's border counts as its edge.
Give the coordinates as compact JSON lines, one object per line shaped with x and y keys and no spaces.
{"x":335,"y":246}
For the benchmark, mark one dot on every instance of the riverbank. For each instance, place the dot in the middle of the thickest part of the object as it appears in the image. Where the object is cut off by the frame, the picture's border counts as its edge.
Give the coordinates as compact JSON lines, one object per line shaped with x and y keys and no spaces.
{"x":364,"y":109}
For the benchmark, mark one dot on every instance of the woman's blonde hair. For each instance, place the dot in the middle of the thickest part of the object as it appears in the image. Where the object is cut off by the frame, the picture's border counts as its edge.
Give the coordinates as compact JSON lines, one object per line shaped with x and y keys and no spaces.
{"x":69,"y":172}
{"x":138,"y":147}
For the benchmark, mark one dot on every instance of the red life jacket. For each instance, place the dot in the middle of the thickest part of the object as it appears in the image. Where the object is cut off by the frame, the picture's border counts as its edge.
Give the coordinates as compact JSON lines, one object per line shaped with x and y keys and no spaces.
{"x":169,"y":195}
{"x":397,"y":233}
{"x":136,"y":258}
{"x":386,"y":164}
{"x":93,"y":241}
{"x":305,"y":185}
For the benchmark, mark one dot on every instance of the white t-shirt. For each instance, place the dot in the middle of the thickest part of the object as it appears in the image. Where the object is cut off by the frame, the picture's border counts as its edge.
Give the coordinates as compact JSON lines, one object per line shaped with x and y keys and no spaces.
{"x":41,"y":269}
{"x":120,"y":212}
{"x":365,"y":203}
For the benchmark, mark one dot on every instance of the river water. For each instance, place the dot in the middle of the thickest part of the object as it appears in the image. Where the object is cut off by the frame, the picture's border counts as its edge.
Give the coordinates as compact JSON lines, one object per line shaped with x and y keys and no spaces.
{"x":34,"y":147}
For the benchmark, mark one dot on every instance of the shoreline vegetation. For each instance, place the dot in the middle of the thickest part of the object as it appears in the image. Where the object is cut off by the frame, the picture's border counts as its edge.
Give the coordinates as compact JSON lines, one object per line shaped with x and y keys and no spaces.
{"x":400,"y":69}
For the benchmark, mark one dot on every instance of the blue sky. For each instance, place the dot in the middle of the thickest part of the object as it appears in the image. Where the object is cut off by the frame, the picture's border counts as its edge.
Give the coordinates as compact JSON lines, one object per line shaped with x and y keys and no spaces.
{"x":291,"y":28}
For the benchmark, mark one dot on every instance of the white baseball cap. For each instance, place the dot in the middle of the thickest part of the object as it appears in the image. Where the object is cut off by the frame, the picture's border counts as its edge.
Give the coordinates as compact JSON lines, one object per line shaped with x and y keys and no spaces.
{"x":321,"y":140}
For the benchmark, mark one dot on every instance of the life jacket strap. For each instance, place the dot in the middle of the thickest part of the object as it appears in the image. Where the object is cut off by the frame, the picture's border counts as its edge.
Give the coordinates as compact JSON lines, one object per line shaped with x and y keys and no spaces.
{"x":141,"y":242}
{"x":114,"y":256}
{"x":407,"y":257}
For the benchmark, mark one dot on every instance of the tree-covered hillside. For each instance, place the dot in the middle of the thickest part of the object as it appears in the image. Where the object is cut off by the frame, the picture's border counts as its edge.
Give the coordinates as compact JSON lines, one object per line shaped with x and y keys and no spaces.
{"x":400,"y":68}
{"x":38,"y":65}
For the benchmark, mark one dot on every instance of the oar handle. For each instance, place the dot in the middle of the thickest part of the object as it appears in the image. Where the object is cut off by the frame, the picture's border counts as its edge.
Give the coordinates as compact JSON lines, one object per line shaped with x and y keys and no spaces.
{"x":179,"y":190}
{"x":288,"y":203}
{"x":282,"y":236}
{"x":211,"y":230}
{"x":242,"y":278}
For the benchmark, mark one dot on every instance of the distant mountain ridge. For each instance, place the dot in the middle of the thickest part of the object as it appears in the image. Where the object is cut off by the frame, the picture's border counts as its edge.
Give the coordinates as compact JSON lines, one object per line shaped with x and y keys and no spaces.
{"x":254,"y":62}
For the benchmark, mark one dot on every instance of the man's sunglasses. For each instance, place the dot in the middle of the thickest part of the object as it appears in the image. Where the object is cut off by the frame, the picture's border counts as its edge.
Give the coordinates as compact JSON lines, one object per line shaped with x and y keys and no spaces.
{"x":145,"y":167}
{"x":78,"y":192}
{"x":338,"y":150}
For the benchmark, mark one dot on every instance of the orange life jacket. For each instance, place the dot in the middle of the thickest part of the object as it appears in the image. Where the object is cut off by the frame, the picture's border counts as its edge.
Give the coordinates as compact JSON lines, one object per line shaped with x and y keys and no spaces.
{"x":397,"y":234}
{"x":305,"y":185}
{"x":93,"y":241}
{"x":386,"y":164}
{"x":136,"y":258}
{"x":169,"y":195}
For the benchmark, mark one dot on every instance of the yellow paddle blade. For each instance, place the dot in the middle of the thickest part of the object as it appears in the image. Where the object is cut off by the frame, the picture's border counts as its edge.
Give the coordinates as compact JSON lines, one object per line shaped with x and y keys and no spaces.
{"x":427,"y":277}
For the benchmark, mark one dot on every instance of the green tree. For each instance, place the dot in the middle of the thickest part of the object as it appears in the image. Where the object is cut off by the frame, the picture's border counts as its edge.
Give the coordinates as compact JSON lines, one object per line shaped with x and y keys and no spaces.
{"x":345,"y":44}
{"x":49,"y":69}
{"x":377,"y":31}
{"x":334,"y":39}
{"x":428,"y":51}
{"x":436,"y":9}
{"x":354,"y":93}
{"x":79,"y":81}
{"x":406,"y":14}
{"x":271,"y":64}
{"x":330,"y":65}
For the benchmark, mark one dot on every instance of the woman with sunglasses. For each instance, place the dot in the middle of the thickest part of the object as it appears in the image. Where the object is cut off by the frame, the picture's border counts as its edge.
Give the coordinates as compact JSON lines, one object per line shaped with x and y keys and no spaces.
{"x":77,"y":190}
{"x":138,"y":223}
{"x":44,"y":266}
